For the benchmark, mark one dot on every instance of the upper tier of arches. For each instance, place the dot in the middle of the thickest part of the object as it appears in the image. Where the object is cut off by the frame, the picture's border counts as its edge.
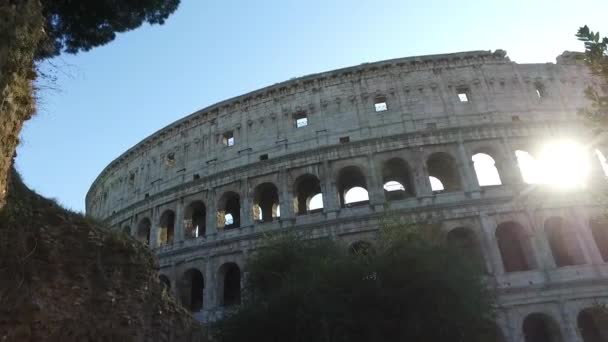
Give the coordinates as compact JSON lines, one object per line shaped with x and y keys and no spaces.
{"x":373,"y":101}
{"x":352,"y":183}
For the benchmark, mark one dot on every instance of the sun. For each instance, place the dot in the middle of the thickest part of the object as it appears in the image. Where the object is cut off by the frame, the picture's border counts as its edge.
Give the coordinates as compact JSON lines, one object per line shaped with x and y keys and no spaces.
{"x":560,"y":164}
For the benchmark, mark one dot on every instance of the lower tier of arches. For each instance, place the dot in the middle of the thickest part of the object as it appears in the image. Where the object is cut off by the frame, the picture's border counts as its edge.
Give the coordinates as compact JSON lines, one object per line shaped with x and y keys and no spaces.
{"x":522,"y":248}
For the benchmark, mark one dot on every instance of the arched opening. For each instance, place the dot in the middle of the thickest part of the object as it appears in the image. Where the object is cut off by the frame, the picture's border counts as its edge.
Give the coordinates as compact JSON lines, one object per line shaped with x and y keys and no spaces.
{"x":356,"y":196}
{"x":265,"y":203}
{"x":229,"y":211}
{"x":230,"y":276}
{"x":442,"y":166}
{"x":126,"y":230}
{"x":465,"y":241}
{"x":165,"y":282}
{"x":143,"y":230}
{"x":193,"y":286}
{"x":360,"y":247}
{"x":436,"y":184}
{"x":515,"y":247}
{"x":167,"y":228}
{"x":308,"y":198}
{"x":396,"y":178}
{"x":352,"y":188}
{"x":593,"y":324}
{"x":315,"y":203}
{"x":485,"y":169}
{"x":599,"y":230}
{"x":563,"y":242}
{"x":195,"y":220}
{"x":529,"y":167}
{"x":538,"y":327}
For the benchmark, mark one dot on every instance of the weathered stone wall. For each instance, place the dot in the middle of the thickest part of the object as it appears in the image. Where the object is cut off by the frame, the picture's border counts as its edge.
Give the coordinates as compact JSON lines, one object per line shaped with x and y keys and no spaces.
{"x":420,"y":91}
{"x":510,"y":107}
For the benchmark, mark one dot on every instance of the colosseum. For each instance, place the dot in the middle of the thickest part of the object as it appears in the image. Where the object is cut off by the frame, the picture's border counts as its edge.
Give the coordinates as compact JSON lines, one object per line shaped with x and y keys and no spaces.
{"x":491,"y":150}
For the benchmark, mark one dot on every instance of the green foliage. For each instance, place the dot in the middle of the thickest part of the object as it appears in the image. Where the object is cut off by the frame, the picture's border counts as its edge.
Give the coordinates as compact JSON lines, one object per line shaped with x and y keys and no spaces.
{"x":410,"y":288}
{"x":73,"y":26}
{"x":596,"y":57}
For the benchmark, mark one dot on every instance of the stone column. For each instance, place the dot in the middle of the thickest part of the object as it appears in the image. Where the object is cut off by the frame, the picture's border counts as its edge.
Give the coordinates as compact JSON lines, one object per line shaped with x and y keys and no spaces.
{"x":179,"y":221}
{"x":285,"y":196}
{"x":506,"y":177}
{"x":542,"y":249}
{"x":420,"y":177}
{"x":466,"y":170}
{"x":509,"y":329}
{"x":507,"y":166}
{"x":489,"y":244}
{"x":211,"y":214}
{"x":375,"y":189}
{"x":588,"y":245}
{"x":154,"y":228}
{"x":246,"y":204}
{"x":132,"y":226}
{"x":209,"y":294}
{"x":567,"y":324}
{"x":331,"y":203}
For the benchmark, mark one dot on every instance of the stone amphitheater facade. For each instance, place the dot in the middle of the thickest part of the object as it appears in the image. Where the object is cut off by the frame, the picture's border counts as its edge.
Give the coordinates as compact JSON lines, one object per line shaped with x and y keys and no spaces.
{"x":204,"y":190}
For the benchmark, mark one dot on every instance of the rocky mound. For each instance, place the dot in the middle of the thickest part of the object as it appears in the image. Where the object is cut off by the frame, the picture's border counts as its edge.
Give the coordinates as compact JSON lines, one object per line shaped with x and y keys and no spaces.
{"x":65,"y":277}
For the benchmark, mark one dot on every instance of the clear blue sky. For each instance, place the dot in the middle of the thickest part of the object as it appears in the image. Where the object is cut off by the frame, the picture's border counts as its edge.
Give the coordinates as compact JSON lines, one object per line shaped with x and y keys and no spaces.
{"x":110,"y":98}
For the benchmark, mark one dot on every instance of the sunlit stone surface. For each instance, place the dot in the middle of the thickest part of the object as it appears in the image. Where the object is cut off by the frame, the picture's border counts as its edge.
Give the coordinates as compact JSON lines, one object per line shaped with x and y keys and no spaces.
{"x":425,"y":138}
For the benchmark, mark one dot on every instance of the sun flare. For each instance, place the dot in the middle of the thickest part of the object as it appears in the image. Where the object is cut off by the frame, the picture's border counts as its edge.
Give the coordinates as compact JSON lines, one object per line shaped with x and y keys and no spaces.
{"x":562,"y":164}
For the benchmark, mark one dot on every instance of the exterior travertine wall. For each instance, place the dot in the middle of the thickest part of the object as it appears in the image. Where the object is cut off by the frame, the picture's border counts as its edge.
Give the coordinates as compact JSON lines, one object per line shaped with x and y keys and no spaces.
{"x":188,"y":161}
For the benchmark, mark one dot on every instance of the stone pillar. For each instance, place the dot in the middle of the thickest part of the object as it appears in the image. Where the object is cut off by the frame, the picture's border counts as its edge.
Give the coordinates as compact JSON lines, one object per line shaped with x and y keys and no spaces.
{"x":587,"y":241}
{"x":211,"y":214}
{"x":246,"y":204}
{"x":154,"y":228}
{"x":331,"y":201}
{"x":542,"y":249}
{"x":179,"y":221}
{"x":466,"y":170}
{"x":507,"y":166}
{"x":567,"y":324}
{"x":489,"y":245}
{"x":420,"y":177}
{"x":509,"y":329}
{"x":375,"y":186}
{"x":132,"y":226}
{"x":506,"y":177}
{"x":209,"y":294}
{"x":285,"y":196}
